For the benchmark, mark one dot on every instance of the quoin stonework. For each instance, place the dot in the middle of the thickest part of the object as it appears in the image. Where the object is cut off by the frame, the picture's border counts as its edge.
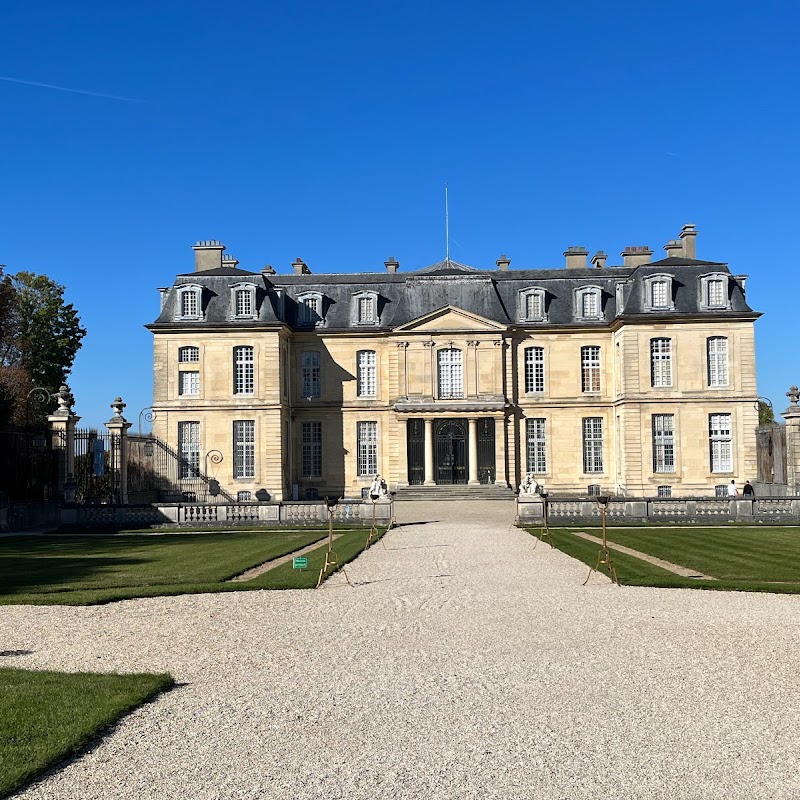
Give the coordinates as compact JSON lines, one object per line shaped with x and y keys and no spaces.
{"x":634,"y":380}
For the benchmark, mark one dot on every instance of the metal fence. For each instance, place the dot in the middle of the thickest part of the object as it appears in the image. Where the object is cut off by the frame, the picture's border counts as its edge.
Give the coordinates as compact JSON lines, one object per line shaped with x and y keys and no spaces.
{"x":97,"y":466}
{"x":29,"y":460}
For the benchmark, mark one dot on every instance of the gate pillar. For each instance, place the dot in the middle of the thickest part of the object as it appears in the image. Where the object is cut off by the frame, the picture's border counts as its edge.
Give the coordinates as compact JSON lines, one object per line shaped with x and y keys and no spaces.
{"x":792,"y":417}
{"x":62,"y":431}
{"x":118,"y":456}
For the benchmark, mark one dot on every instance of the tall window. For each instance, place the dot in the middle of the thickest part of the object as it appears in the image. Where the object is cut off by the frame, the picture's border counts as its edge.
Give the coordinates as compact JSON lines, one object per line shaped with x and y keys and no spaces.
{"x":532,"y":306}
{"x":189,"y":449}
{"x":189,"y":302}
{"x":243,"y":367}
{"x":366,"y":309}
{"x":588,"y":303}
{"x":367,"y":435}
{"x":451,"y":382}
{"x":534,"y":369}
{"x":366,"y":373}
{"x":592,"y":444}
{"x":188,"y":355}
{"x":661,"y":362}
{"x":663,"y":443}
{"x":537,"y":445}
{"x":659,"y":294}
{"x":719,"y":434}
{"x":590,"y":368}
{"x":716,"y":292}
{"x":310,"y":309}
{"x":311,"y":371}
{"x":717,"y":361}
{"x":244,"y":448}
{"x":188,"y":382}
{"x":311,"y":436}
{"x":244,"y":302}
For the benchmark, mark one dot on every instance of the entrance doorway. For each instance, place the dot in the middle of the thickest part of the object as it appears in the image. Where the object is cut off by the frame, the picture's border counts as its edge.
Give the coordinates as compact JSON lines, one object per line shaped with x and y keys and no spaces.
{"x":450,"y":451}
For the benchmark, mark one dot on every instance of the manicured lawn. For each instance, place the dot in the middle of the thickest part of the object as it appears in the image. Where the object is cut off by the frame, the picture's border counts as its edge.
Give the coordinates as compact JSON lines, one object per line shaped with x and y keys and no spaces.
{"x":765,"y":559}
{"x":87,"y":569}
{"x":48,"y":716}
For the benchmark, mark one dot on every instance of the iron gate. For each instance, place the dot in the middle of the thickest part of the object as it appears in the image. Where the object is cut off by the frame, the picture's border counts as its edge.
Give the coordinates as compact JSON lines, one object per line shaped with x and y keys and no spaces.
{"x":415,"y":432}
{"x":486,"y":460}
{"x":97,"y":466}
{"x":29,"y":463}
{"x":451,"y":452}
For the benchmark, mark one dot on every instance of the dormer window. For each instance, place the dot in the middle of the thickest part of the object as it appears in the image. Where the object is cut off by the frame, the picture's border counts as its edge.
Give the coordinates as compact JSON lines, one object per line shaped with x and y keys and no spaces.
{"x":714,"y":291}
{"x":658,"y":293}
{"x":190,"y":306}
{"x":243,"y":301}
{"x":588,"y":303}
{"x":365,"y":308}
{"x":309,"y":309}
{"x":532,"y":306}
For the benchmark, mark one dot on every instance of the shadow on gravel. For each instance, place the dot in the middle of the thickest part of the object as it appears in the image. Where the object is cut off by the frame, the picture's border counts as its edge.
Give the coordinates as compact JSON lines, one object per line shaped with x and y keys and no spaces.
{"x":16,"y":653}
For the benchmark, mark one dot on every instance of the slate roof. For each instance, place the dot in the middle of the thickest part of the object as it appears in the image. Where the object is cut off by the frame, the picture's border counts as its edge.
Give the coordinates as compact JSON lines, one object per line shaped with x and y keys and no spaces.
{"x":494,"y":294}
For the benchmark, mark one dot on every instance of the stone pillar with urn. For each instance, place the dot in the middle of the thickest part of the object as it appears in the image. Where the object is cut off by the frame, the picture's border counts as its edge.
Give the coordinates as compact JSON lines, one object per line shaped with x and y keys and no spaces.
{"x":118,"y":451}
{"x":62,"y":430}
{"x":792,"y":417}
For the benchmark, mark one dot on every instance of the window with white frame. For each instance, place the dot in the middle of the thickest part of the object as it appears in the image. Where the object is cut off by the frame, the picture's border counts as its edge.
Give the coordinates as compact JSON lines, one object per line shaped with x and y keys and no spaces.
{"x":661,"y":362}
{"x":590,"y":368}
{"x":188,"y":382}
{"x":588,"y":303}
{"x":663,"y":443}
{"x":188,"y":449}
{"x":366,"y":369}
{"x":658,"y":293}
{"x":188,"y":355}
{"x":311,"y":441}
{"x":536,"y":436}
{"x":721,"y":442}
{"x":532,"y":305}
{"x":534,"y":369}
{"x":190,"y":302}
{"x":311,"y":374}
{"x":309,"y":309}
{"x":593,"y":490}
{"x":367,"y":436}
{"x":451,"y":380}
{"x":244,"y":448}
{"x":244,"y":496}
{"x":365,"y":308}
{"x":714,"y":290}
{"x":592,"y":444}
{"x":243,"y":301}
{"x":717,"y":347}
{"x":664,"y":491}
{"x":243,"y":370}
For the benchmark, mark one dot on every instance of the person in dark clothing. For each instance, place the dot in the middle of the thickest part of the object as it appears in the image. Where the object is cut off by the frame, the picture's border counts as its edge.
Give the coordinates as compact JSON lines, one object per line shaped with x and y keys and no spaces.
{"x":748,"y":491}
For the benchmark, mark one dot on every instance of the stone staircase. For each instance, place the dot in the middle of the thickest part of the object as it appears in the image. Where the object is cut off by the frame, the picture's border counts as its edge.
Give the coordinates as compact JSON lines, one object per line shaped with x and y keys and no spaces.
{"x":455,"y":492}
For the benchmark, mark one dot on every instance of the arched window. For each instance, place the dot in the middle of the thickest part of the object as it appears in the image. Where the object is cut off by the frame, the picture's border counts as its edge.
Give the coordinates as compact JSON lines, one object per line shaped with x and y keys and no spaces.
{"x":658,"y":293}
{"x":532,"y":306}
{"x":243,"y":301}
{"x":190,"y":306}
{"x":311,"y":374}
{"x":365,"y":308}
{"x":309,"y":309}
{"x":714,"y":291}
{"x":188,"y":355}
{"x":588,"y":303}
{"x":451,"y":378}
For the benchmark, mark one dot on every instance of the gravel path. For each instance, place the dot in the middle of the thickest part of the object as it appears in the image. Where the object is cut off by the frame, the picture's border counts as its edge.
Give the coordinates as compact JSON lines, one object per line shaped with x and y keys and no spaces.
{"x":464,"y":664}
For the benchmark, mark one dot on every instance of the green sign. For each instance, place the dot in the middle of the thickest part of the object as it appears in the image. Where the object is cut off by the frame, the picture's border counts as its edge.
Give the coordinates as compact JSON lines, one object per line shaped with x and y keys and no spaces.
{"x":299,"y":562}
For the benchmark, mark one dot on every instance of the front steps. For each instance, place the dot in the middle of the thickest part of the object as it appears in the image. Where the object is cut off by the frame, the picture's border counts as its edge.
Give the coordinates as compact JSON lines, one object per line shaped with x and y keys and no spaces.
{"x":455,"y":492}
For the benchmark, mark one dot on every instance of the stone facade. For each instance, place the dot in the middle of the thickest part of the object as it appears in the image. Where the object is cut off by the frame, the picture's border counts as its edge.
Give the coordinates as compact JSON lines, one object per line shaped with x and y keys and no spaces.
{"x":634,"y":380}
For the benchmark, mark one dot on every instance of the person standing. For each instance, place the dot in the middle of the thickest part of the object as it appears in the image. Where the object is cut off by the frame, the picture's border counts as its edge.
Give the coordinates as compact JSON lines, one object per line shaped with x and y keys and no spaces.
{"x":748,"y":491}
{"x":732,"y":491}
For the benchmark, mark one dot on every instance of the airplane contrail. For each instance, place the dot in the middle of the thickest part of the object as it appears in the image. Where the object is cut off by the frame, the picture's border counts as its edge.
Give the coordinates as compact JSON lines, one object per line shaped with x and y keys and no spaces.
{"x":74,"y":91}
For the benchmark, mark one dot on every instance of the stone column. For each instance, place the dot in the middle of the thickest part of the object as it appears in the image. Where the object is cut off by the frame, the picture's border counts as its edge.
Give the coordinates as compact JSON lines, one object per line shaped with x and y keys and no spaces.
{"x":62,"y":430}
{"x":473,"y":450}
{"x":429,"y":481}
{"x":792,"y":417}
{"x":118,"y":456}
{"x":503,"y":436}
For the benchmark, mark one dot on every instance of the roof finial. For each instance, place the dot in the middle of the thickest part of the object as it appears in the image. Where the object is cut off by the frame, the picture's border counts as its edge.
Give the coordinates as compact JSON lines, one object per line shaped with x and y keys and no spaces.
{"x":446,"y":227}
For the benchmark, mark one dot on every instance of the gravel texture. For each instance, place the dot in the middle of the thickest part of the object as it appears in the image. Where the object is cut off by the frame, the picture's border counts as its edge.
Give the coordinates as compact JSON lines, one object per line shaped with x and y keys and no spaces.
{"x":464,"y":664}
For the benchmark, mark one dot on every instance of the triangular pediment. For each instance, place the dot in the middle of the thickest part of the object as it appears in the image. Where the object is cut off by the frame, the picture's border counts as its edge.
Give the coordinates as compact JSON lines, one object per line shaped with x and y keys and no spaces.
{"x":450,"y":318}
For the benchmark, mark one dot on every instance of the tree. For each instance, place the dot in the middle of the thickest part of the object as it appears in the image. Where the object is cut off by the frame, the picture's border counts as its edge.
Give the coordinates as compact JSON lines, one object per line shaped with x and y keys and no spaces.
{"x":40,"y":336}
{"x":766,"y":415}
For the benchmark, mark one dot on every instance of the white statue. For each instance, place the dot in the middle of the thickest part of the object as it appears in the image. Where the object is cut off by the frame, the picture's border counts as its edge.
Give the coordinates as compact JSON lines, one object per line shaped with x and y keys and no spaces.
{"x":529,"y":485}
{"x":378,"y":489}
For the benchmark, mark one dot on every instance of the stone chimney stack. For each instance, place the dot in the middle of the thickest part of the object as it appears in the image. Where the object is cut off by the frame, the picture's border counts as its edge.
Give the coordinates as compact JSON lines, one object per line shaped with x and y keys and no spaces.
{"x":503,"y":263}
{"x":576,"y":257}
{"x":636,"y":256}
{"x":229,"y":261}
{"x":268,"y":269}
{"x":674,"y":248}
{"x":207,"y":255}
{"x":688,"y":233}
{"x":300,"y":267}
{"x":392,"y":265}
{"x":599,"y":259}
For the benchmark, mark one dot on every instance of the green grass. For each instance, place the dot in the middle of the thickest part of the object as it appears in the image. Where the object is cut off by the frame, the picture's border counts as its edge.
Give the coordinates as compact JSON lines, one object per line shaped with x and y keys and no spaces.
{"x":739,"y":558}
{"x":90,"y":569}
{"x":48,"y":716}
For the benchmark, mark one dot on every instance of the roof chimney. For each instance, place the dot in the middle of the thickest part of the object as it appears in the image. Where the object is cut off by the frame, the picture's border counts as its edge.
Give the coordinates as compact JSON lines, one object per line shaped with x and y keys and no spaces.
{"x":230,"y":260}
{"x":300,"y":267}
{"x":636,"y":256}
{"x":688,"y":232}
{"x":503,"y":263}
{"x":207,"y":255}
{"x":599,"y":259}
{"x":391,"y":265}
{"x":674,"y":248}
{"x":268,"y":269}
{"x":576,"y":257}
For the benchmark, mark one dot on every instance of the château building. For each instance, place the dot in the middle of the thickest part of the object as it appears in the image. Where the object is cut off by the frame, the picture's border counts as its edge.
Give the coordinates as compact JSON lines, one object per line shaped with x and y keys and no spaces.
{"x":637,"y":379}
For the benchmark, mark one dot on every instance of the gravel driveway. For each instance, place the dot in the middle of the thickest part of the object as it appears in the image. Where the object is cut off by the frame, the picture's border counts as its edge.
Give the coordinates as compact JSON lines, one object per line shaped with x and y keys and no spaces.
{"x":464,"y":664}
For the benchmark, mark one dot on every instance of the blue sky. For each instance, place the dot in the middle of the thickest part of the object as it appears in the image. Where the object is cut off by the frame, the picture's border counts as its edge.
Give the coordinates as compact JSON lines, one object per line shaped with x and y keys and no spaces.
{"x":328,"y":130}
